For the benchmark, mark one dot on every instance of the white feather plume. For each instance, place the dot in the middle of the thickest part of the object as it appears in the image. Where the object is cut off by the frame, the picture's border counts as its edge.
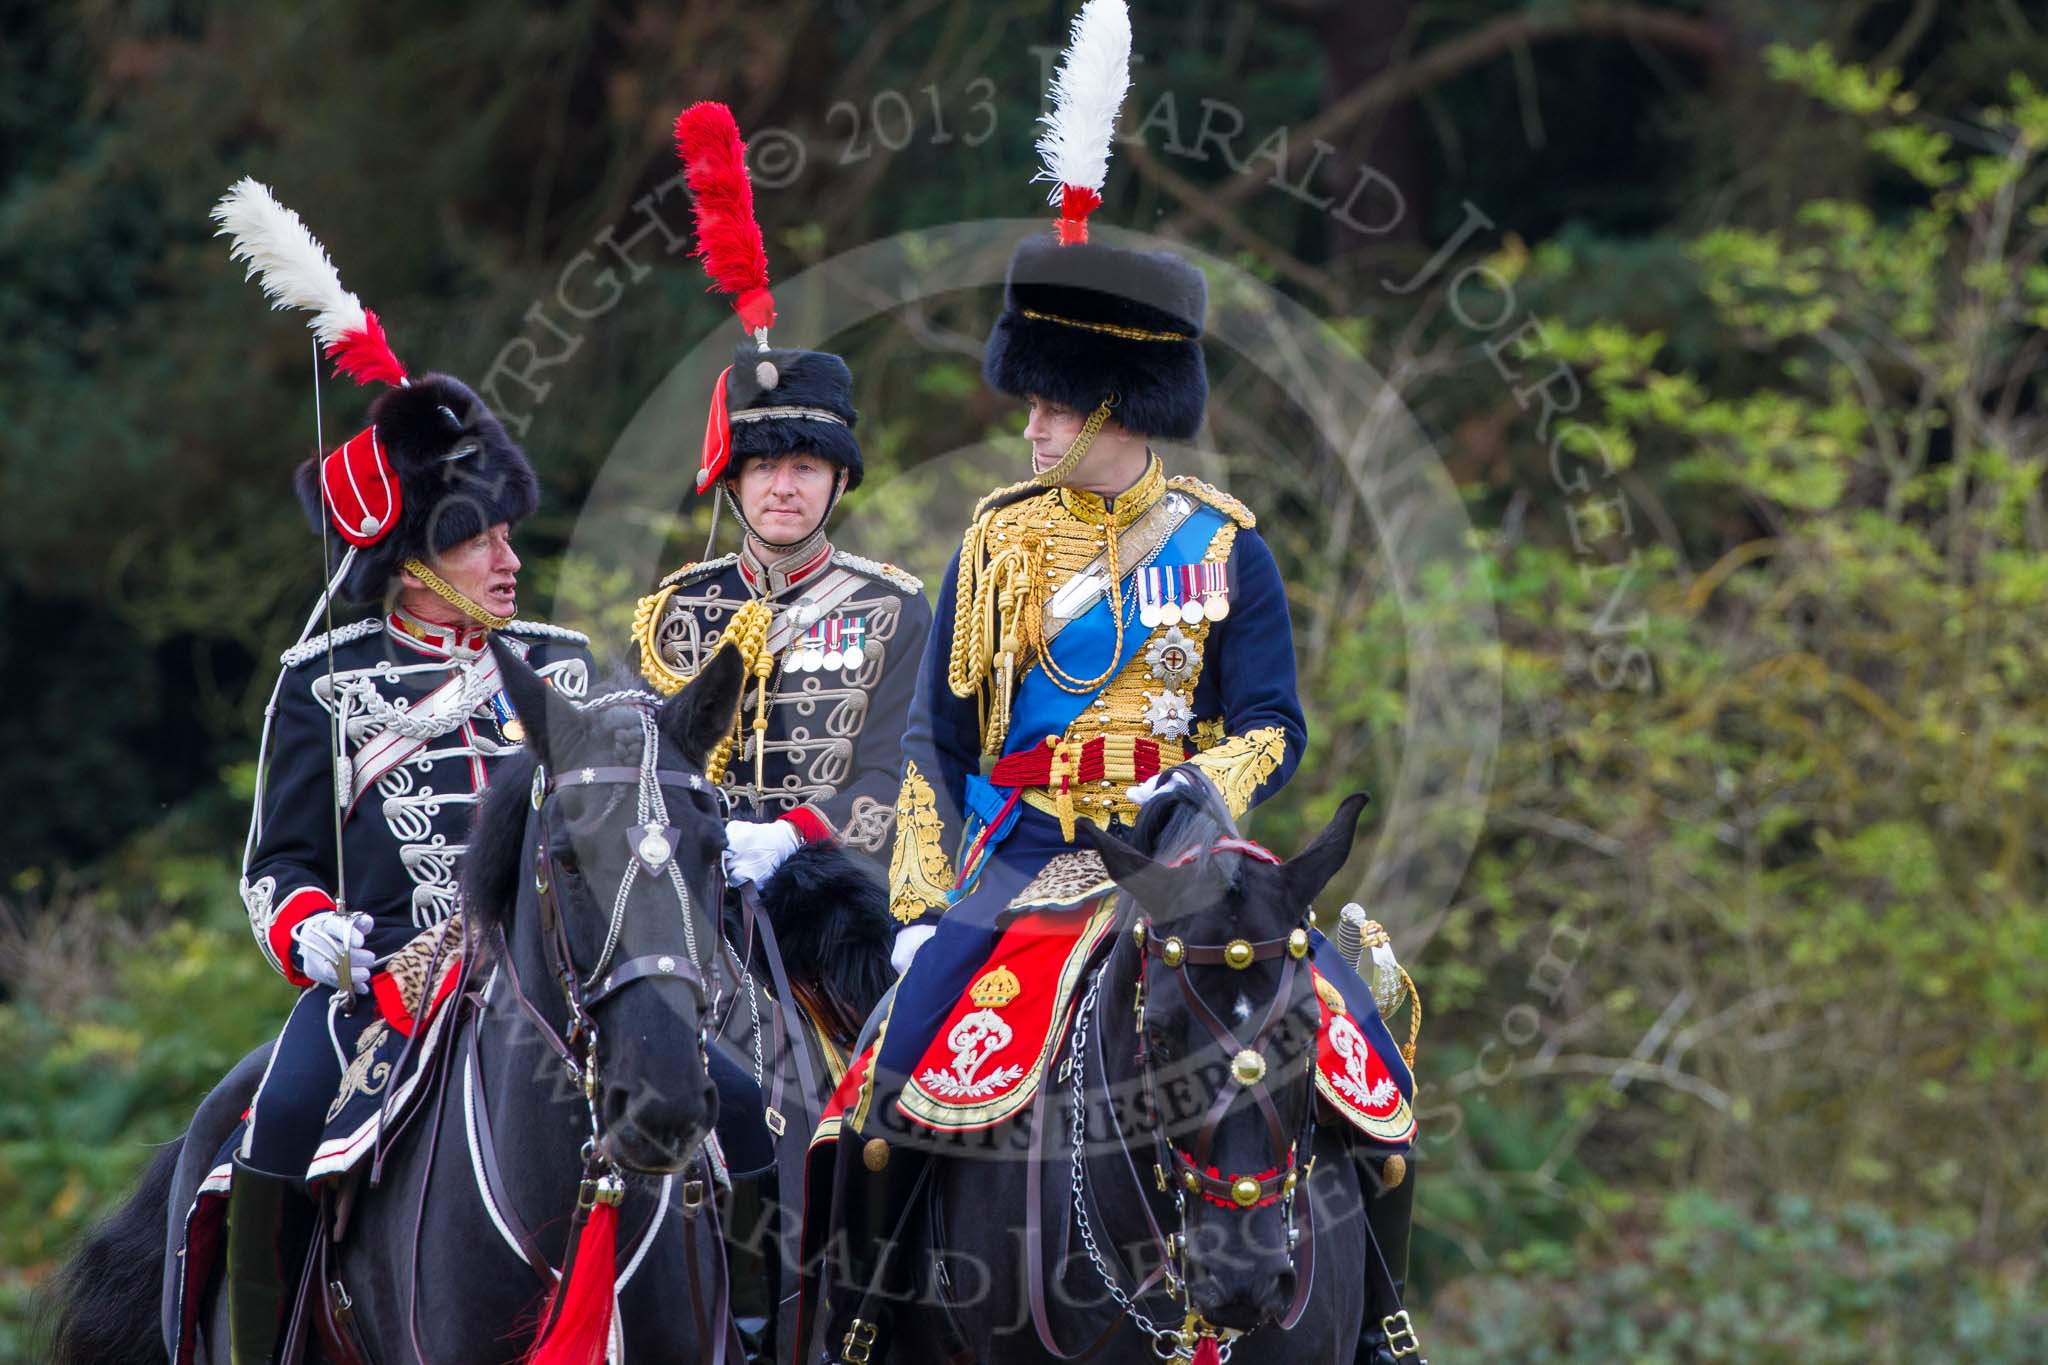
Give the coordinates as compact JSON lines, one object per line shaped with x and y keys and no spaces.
{"x":289,"y":261}
{"x":1087,"y":91}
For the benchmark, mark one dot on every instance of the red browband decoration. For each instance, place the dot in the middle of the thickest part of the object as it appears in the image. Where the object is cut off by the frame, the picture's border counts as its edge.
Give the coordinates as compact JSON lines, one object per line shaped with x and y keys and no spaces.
{"x":360,"y":489}
{"x":1227,"y":1180}
{"x":1244,"y":846}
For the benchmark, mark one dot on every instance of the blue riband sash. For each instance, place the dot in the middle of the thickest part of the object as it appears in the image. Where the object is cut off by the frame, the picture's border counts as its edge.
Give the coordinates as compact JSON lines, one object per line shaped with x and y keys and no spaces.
{"x":1042,"y":707}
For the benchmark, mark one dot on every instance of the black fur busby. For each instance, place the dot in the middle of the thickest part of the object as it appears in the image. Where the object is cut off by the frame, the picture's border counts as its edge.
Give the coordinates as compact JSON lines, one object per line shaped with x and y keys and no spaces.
{"x":459,"y":474}
{"x":1067,"y":333}
{"x":800,"y":379}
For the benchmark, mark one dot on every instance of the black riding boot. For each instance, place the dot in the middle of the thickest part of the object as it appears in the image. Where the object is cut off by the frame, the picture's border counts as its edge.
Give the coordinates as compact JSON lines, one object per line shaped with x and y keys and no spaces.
{"x":877,"y":1275}
{"x":753,"y":1253}
{"x":270,"y":1224}
{"x":1389,"y":1335}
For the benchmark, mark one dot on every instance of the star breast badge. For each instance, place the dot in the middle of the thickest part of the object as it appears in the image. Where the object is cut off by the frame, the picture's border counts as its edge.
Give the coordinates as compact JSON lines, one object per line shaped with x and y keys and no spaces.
{"x":1173,"y":658}
{"x":1169,"y":714}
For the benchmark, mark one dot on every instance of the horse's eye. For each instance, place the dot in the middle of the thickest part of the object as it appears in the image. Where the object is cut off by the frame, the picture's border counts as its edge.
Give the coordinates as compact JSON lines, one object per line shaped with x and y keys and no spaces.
{"x":1155,"y":1038}
{"x":566,"y":864}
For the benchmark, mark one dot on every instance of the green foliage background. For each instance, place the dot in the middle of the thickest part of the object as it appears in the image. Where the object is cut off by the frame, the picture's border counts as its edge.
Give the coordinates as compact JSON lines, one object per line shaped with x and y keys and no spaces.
{"x":1734,"y":1037}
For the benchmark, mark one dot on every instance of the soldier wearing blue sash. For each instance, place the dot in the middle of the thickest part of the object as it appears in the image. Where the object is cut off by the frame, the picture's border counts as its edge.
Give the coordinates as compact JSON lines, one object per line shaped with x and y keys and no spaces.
{"x":1104,"y":622}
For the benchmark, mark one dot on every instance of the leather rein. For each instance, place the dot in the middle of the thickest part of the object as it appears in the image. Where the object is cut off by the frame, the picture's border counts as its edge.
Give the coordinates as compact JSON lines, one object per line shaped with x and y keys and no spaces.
{"x":654,"y":842}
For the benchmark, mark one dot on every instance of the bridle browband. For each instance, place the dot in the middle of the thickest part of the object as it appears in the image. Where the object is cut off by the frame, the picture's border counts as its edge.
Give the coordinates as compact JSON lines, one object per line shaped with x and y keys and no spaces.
{"x":1248,"y":1069}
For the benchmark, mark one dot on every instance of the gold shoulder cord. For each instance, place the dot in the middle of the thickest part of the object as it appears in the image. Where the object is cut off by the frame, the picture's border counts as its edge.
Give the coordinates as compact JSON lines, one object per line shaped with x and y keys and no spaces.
{"x":746,"y":632}
{"x":998,"y":612}
{"x":647,"y":616}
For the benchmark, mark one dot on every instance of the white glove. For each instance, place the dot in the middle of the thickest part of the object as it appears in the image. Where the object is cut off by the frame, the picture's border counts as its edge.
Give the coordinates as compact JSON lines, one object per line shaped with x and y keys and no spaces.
{"x":326,"y":939}
{"x":755,"y":848}
{"x":1151,"y":786}
{"x":908,"y":941}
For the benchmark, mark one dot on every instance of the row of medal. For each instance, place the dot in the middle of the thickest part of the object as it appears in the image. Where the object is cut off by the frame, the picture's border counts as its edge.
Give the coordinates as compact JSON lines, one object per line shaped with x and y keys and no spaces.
{"x":1183,"y":592}
{"x":834,"y":643}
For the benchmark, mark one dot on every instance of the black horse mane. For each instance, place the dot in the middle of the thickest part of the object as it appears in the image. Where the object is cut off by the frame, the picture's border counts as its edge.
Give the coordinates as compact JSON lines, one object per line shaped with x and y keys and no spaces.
{"x":495,"y":864}
{"x":1190,"y":815}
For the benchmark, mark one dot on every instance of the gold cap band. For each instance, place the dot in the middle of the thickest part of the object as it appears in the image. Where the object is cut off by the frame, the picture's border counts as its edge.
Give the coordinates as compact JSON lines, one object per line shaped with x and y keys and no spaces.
{"x":1106,"y":328}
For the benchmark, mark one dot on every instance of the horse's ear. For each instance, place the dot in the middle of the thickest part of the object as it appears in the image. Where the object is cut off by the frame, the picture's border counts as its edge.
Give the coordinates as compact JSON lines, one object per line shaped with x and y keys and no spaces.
{"x":1310,"y":870}
{"x":540,"y":708}
{"x":1131,"y":869}
{"x":700,"y":715}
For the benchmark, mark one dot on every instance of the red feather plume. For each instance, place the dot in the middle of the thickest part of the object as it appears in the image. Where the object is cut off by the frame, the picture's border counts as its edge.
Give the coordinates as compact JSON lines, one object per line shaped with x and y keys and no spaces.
{"x":364,"y":355}
{"x":728,"y":238}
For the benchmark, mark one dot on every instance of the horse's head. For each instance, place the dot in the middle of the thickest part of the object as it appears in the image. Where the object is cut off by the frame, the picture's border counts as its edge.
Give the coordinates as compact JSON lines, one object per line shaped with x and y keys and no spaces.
{"x":1227,"y":1017}
{"x":598,"y":857}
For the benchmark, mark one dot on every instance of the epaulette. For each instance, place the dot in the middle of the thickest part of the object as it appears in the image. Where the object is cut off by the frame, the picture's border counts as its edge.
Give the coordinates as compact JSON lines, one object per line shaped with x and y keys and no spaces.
{"x":888,"y":573}
{"x":546,"y":631}
{"x":699,"y":569}
{"x":340,"y":635}
{"x":1215,"y":497}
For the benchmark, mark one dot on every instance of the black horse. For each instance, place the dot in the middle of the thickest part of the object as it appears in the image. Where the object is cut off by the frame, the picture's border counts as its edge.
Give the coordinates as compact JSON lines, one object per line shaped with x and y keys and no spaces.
{"x":1171,"y":1190}
{"x":576,"y":1073}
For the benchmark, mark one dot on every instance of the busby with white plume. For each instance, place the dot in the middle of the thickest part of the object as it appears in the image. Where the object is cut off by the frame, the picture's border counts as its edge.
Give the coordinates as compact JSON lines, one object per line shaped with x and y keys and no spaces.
{"x":434,"y":467}
{"x":769,"y":401}
{"x":1083,"y":321}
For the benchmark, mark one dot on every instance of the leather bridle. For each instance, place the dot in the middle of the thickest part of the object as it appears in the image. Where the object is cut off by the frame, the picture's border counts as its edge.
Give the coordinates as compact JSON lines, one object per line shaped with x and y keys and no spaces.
{"x":654,"y":842}
{"x":1196,"y":1176}
{"x":1249,"y":1075}
{"x":654,"y":851}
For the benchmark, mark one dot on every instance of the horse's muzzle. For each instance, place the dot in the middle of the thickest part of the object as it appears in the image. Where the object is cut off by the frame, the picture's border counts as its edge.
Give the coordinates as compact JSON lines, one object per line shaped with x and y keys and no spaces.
{"x":652,"y":1135}
{"x":1242,"y":1299}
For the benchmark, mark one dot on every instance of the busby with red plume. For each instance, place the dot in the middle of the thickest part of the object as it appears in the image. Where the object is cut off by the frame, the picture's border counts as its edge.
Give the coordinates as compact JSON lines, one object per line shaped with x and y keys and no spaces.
{"x":1083,"y":320}
{"x":769,"y":401}
{"x":434,"y":467}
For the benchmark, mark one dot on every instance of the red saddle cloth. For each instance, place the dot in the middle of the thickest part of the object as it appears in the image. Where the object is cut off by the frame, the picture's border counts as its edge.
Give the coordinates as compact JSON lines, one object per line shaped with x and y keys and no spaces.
{"x":988,"y":1059}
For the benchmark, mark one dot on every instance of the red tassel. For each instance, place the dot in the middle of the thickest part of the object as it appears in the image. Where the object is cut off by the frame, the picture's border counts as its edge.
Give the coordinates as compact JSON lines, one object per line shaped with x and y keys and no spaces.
{"x":1076,"y":203}
{"x":364,"y":355}
{"x":717,"y":436}
{"x":581,"y":1306}
{"x":1207,"y":1352}
{"x":715,"y":168}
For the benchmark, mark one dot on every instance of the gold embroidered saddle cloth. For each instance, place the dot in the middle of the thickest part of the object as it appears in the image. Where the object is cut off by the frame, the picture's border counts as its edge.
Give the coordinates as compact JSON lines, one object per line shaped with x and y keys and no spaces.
{"x":988,"y":1058}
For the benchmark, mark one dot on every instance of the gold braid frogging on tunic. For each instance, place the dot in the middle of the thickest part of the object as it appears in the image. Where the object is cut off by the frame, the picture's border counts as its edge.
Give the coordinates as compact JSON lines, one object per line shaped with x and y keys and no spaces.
{"x":1031,"y":547}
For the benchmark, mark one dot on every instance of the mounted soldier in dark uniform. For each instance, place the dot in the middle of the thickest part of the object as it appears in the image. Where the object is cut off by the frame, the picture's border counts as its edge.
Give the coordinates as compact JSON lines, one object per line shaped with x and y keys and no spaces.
{"x":834,"y":654}
{"x":380,"y":735}
{"x":831,"y":642}
{"x":1103,"y":624}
